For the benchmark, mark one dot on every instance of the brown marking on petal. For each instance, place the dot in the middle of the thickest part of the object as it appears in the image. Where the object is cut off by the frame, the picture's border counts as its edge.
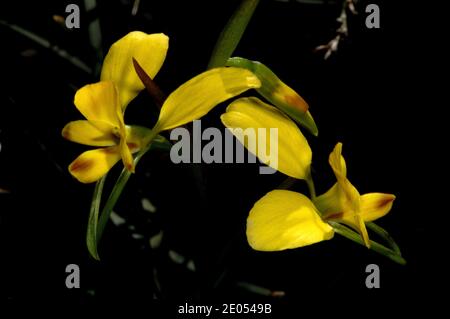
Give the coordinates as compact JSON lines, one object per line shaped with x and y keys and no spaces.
{"x":116,"y":132}
{"x":335,"y":216}
{"x":81,"y":165}
{"x":296,"y":101}
{"x":385,"y":202}
{"x":152,"y":88}
{"x":133,"y":147}
{"x":130,"y":167}
{"x":66,"y":134}
{"x":109,"y":150}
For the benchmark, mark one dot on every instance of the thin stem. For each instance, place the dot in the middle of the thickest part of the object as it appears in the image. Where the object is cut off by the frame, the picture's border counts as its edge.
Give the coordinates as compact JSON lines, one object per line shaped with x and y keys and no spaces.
{"x":119,"y":186}
{"x":353,"y":236}
{"x":232,"y":33}
{"x":311,"y":187}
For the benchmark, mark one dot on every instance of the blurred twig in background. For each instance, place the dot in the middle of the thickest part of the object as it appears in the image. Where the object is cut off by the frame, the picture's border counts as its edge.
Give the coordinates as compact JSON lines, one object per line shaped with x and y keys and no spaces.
{"x":48,"y":45}
{"x":95,"y":34}
{"x":341,"y":32}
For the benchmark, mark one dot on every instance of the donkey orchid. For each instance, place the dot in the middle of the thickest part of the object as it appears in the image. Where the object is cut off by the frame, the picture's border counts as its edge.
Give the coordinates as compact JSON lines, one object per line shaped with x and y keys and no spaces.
{"x":284,"y":219}
{"x":343,"y":203}
{"x":104,"y":103}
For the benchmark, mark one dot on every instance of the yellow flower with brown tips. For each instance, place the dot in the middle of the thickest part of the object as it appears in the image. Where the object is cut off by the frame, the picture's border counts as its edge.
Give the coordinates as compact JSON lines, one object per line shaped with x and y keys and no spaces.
{"x":103,"y":104}
{"x":285,"y":219}
{"x":343,"y":203}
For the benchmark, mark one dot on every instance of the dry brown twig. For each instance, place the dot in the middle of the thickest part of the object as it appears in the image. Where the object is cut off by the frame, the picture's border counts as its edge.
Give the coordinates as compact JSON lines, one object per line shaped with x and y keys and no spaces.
{"x":341,"y":32}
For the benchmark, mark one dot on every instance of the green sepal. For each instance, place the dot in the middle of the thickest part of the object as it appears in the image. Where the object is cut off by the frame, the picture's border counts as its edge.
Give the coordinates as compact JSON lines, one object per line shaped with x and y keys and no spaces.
{"x":278,"y":93}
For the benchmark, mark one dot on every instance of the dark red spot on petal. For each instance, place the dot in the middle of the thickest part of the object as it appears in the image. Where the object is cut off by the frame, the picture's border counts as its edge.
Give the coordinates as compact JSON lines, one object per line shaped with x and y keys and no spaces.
{"x":133,"y":147}
{"x":109,"y":150}
{"x":334,"y":216}
{"x":385,"y":202}
{"x":65,"y":134}
{"x":81,"y":165}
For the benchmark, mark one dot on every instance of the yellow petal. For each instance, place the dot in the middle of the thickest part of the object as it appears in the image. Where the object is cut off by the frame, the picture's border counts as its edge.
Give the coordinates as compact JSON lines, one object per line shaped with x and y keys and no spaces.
{"x":342,"y":203}
{"x":337,"y":162}
{"x":294,"y":153}
{"x":200,"y":94}
{"x":94,"y":133}
{"x":149,"y":50}
{"x":127,"y":158}
{"x":329,"y":204}
{"x":283,"y":220}
{"x":125,"y":151}
{"x":375,"y":205}
{"x":90,"y":166}
{"x":98,"y":102}
{"x":349,"y":197}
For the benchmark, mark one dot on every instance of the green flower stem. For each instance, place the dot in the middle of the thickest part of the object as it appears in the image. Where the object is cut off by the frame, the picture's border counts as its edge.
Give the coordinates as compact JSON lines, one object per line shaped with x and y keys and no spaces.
{"x":385,"y":235}
{"x":311,"y":187}
{"x":91,"y":234}
{"x":350,"y":234}
{"x":232,"y":33}
{"x":120,"y":185}
{"x":111,"y":202}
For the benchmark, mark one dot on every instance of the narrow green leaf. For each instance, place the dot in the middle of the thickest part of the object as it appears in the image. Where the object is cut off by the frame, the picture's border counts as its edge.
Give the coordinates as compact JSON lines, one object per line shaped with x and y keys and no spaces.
{"x":353,"y":236}
{"x":119,"y":187}
{"x":232,"y":33}
{"x":161,"y":143}
{"x":278,"y":93}
{"x":111,"y":202}
{"x":385,"y":235}
{"x":91,"y":235}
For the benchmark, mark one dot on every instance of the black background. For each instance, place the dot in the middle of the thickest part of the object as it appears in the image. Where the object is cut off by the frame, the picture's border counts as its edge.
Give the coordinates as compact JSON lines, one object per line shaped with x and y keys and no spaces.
{"x":369,"y":95}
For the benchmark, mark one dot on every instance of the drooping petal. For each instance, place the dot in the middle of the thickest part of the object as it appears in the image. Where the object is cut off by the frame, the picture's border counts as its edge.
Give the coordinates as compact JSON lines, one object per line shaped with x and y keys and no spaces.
{"x":294,"y":153}
{"x":283,"y":220}
{"x":149,"y":50}
{"x":200,"y":94}
{"x":93,"y":133}
{"x":375,"y":205}
{"x":125,"y":153}
{"x":98,"y":102}
{"x":90,"y":166}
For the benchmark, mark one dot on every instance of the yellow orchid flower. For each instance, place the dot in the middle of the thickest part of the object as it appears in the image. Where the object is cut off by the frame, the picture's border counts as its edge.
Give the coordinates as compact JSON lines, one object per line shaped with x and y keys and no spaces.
{"x":284,"y":219}
{"x":104,"y":126}
{"x":294,"y":154}
{"x":343,"y":203}
{"x":104,"y":103}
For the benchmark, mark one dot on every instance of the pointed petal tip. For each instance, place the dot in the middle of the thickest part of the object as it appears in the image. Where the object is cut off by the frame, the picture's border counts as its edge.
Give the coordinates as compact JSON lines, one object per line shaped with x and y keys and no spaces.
{"x":65,"y":133}
{"x":130,"y":168}
{"x":253,"y":82}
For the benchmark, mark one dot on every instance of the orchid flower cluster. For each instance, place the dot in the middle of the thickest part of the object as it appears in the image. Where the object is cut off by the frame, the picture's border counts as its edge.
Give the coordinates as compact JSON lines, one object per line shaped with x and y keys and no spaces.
{"x":281,"y":219}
